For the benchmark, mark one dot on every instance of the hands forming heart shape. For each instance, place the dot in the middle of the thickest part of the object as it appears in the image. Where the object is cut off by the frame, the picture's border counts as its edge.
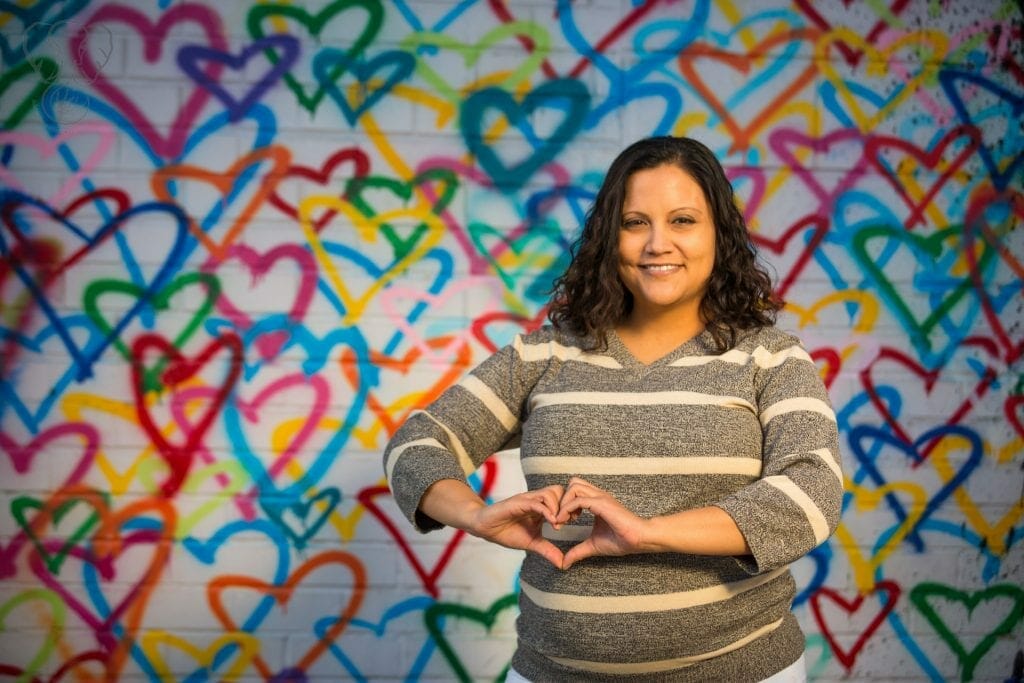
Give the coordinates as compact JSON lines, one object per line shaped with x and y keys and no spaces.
{"x":518,"y":521}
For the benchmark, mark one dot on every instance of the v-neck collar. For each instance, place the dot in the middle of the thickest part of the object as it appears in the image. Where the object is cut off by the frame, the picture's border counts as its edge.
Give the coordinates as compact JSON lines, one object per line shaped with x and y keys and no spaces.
{"x":618,"y":350}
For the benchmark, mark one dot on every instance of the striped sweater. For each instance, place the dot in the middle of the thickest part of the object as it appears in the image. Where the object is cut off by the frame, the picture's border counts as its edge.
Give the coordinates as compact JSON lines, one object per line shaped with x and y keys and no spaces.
{"x":750,"y":430}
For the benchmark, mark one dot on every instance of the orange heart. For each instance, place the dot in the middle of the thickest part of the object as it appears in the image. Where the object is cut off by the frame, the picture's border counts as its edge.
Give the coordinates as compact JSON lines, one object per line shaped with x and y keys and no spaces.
{"x":224,"y":182}
{"x":283,"y":593}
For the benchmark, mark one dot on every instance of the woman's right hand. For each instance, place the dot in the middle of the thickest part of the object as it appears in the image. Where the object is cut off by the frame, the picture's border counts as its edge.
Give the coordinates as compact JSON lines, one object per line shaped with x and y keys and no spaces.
{"x":517,"y":522}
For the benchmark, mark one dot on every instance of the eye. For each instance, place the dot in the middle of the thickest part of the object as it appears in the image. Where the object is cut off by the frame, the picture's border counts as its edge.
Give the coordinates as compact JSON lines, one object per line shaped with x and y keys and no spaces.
{"x":632,"y":223}
{"x":684,"y":220}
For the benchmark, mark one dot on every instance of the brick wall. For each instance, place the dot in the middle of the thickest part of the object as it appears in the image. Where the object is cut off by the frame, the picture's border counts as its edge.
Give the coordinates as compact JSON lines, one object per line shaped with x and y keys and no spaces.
{"x":303,"y":220}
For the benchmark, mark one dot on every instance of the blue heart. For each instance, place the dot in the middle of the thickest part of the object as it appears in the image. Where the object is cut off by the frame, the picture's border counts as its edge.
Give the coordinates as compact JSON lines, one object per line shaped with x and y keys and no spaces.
{"x":276,"y":510}
{"x":567,"y":94}
{"x":37,"y":27}
{"x":330,"y":63}
{"x":84,"y":358}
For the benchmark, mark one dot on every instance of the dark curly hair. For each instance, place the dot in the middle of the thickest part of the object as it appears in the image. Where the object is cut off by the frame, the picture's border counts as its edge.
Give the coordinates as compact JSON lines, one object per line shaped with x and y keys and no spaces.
{"x":588,"y":299}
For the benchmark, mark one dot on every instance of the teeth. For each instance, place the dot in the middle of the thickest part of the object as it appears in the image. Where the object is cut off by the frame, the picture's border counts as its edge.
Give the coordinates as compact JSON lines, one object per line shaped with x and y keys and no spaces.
{"x":660,"y":269}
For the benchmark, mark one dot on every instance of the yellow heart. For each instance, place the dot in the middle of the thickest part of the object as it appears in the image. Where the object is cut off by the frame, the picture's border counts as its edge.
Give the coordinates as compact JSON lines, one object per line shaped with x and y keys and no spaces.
{"x":868,"y":498}
{"x":153,"y":643}
{"x":877,"y":65}
{"x":995,"y":535}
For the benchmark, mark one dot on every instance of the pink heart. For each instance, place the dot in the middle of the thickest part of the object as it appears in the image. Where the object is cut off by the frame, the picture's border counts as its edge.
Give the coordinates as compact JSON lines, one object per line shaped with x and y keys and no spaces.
{"x":46,"y":147}
{"x":259,"y":265}
{"x":153,"y":37}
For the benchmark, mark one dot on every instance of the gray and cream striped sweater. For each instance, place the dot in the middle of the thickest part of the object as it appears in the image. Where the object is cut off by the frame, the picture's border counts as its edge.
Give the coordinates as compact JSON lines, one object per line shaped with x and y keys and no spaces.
{"x":750,"y":430}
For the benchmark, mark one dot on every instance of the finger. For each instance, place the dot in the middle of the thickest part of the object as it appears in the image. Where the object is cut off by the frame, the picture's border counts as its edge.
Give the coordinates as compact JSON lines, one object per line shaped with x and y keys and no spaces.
{"x":578,"y":552}
{"x":549,"y":551}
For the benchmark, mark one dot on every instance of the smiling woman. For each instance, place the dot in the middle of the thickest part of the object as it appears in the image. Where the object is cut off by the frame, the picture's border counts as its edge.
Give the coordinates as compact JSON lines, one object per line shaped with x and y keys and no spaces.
{"x":679,"y":450}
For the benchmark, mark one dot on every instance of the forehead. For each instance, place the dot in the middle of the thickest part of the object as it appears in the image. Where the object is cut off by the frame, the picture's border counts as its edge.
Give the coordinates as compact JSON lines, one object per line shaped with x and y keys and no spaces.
{"x":666,"y":183}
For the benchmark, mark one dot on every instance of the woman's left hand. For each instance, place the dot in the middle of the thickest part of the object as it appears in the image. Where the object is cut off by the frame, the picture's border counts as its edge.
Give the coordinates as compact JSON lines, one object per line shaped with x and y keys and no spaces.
{"x":616,"y":531}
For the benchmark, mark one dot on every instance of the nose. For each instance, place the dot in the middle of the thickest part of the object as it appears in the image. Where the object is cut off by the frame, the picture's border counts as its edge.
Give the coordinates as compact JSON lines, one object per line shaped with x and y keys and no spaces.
{"x":658,"y":241}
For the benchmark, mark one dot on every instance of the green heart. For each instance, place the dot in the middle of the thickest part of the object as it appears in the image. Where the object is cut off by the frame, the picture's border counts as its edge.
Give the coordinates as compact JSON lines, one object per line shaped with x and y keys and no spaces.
{"x":314,"y":24}
{"x":550,"y":263}
{"x":56,"y":620}
{"x":435,"y":616}
{"x":53,"y":561}
{"x":238,"y":478}
{"x":161,"y":302}
{"x":403,"y":189}
{"x":968,"y":660}
{"x":472,"y":53}
{"x":931,"y":246}
{"x":44,"y":67}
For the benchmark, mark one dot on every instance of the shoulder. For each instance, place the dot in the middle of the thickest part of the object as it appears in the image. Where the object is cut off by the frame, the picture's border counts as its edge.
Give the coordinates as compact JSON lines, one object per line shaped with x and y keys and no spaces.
{"x":771,"y":346}
{"x":548,"y":343}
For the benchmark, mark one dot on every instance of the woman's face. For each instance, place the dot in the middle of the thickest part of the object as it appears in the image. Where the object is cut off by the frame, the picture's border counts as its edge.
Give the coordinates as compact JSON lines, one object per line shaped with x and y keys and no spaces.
{"x":666,"y":243}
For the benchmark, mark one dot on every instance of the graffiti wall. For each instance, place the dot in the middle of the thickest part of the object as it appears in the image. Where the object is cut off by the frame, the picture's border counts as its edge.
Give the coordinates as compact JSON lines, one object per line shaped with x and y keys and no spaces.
{"x":242,"y":240}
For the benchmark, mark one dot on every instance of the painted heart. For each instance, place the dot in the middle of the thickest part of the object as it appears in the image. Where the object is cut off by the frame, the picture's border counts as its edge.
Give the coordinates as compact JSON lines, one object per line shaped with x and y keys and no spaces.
{"x":370,"y":87}
{"x":441,"y":614}
{"x":124,"y":222}
{"x":130,"y":564}
{"x":1003,"y":156}
{"x":351,"y":600}
{"x":37,"y":20}
{"x":293,"y":437}
{"x":888,"y":593}
{"x":161,"y":301}
{"x":22,"y":456}
{"x":425,"y":45}
{"x":330,"y":255}
{"x":269,"y":162}
{"x":996,"y":235}
{"x":497,"y":328}
{"x":302,"y":519}
{"x":154,"y":37}
{"x":238,"y":649}
{"x":191,"y":57}
{"x":429,"y":571}
{"x":853,"y":535}
{"x":795,"y":149}
{"x":449,"y":303}
{"x":934,"y":256}
{"x":807,"y":234}
{"x":178,"y":370}
{"x":22,"y":142}
{"x":375,"y":197}
{"x":234,"y":303}
{"x":767,"y":76}
{"x":862,"y":437}
{"x":853,"y":53}
{"x":405,"y":618}
{"x":567,"y":95}
{"x":526,"y":261}
{"x":324,"y":177}
{"x":926,"y":596}
{"x":389,"y":416}
{"x":334,"y":14}
{"x":53,"y":370}
{"x":46,"y":611}
{"x":945,"y":158}
{"x":925,"y":47}
{"x":36,"y":517}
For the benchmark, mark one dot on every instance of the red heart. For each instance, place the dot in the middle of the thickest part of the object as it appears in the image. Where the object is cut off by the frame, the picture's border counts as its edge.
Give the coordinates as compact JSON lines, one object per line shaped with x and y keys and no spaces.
{"x":877,"y":145}
{"x":852,"y":55}
{"x":848,"y":657}
{"x":928,"y":378}
{"x":818,"y":227}
{"x":180,"y":368}
{"x":527,"y":325}
{"x":429,"y":577}
{"x":323,"y":176}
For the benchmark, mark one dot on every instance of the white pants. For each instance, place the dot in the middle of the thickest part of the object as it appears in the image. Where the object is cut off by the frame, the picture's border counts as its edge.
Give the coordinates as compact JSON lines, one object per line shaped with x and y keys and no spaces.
{"x":794,"y":673}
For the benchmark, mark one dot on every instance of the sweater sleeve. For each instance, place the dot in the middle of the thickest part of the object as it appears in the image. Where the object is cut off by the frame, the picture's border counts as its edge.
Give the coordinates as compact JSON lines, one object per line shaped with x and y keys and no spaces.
{"x":452,"y":437}
{"x":796,"y":504}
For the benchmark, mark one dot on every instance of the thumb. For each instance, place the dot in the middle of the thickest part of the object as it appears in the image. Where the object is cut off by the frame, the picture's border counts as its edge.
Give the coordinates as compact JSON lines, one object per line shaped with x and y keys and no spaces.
{"x":549,"y":551}
{"x":578,"y":552}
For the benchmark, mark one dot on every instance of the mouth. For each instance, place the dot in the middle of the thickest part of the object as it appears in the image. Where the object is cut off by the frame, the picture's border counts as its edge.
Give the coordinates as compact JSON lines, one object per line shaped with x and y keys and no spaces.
{"x":659,"y":267}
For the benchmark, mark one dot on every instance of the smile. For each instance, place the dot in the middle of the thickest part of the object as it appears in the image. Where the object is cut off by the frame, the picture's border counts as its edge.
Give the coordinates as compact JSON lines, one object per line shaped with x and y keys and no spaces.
{"x":661,"y":268}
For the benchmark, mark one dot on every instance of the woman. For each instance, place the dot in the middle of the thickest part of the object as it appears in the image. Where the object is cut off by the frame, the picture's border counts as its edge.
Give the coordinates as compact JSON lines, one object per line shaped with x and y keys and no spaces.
{"x":679,"y":450}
